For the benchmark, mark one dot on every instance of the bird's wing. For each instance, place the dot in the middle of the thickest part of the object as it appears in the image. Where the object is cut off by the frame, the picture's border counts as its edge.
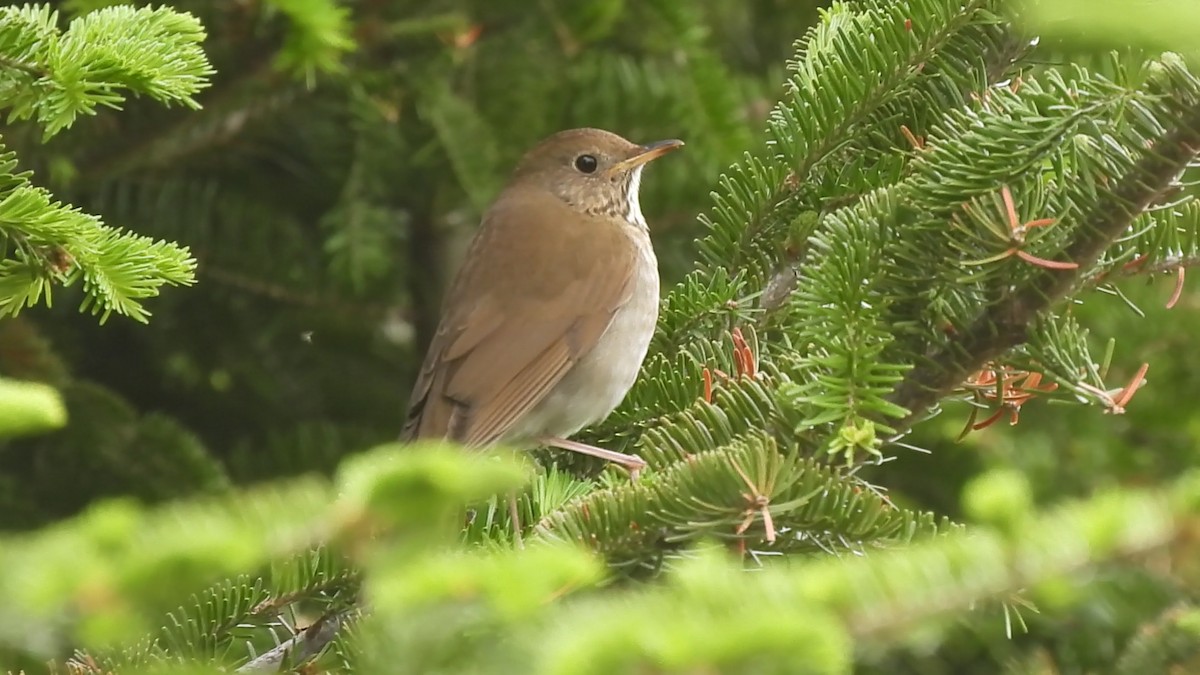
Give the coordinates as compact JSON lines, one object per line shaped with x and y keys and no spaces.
{"x":535,"y":297}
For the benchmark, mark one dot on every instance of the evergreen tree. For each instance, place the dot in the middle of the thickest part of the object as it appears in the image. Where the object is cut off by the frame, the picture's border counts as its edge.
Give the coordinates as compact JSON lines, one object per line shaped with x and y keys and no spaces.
{"x":921,"y":236}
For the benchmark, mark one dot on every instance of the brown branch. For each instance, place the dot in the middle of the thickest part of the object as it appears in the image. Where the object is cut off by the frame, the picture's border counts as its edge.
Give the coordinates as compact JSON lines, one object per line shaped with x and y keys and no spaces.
{"x":290,"y":296}
{"x":1005,"y":324}
{"x":300,"y":648}
{"x":213,"y":126}
{"x":27,"y":68}
{"x":1168,"y":264}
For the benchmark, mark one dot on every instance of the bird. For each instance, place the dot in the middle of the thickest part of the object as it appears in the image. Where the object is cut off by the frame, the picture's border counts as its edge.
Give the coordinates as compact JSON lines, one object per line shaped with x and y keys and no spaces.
{"x":546,"y":324}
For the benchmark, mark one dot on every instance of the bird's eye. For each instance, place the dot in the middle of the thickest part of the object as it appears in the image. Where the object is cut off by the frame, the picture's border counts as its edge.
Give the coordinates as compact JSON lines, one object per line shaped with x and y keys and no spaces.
{"x":586,"y":163}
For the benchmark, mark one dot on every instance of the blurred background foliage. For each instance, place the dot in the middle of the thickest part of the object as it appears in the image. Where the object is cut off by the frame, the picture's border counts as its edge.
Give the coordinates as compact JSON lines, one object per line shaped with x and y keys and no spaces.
{"x":327,"y":188}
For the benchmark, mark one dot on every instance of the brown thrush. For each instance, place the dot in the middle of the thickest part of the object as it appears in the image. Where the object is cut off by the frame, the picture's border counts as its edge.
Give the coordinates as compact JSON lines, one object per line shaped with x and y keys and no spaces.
{"x":546,"y":325}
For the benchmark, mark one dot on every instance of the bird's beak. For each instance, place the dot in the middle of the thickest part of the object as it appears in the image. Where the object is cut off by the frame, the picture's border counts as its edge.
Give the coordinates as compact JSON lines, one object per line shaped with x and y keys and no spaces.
{"x":646,"y":153}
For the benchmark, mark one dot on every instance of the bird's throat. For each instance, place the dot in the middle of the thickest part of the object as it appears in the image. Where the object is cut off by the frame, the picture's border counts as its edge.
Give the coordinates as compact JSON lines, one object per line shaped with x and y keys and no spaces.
{"x":633,"y":206}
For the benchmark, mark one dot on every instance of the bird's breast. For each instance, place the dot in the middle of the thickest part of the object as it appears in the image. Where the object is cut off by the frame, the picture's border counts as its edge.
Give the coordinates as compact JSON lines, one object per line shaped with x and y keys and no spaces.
{"x":596,"y":385}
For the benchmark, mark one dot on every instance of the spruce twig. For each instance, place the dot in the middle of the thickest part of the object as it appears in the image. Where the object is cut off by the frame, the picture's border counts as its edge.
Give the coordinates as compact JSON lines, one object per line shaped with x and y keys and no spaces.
{"x":1006,"y":323}
{"x":302,"y":647}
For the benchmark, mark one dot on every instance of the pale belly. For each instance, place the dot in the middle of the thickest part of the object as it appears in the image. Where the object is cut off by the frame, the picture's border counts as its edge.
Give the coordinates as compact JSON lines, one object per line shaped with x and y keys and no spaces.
{"x":595,"y":386}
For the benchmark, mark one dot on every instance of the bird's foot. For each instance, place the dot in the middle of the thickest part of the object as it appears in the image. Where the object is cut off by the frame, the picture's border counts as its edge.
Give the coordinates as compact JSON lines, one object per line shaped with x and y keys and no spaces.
{"x":634,"y":463}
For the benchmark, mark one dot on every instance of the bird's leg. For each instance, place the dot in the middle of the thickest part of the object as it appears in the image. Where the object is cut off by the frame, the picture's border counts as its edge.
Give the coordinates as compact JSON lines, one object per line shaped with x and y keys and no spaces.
{"x":632,"y":462}
{"x":514,"y":515}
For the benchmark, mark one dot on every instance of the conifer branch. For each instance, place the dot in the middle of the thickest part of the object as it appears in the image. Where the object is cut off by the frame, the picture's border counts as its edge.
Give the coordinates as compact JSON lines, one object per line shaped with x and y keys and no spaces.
{"x":300,"y":648}
{"x":56,"y":243}
{"x":752,"y":493}
{"x":1165,"y":265}
{"x":854,"y":63}
{"x":991,"y":564}
{"x":318,"y":37}
{"x":63,"y":74}
{"x":1005,"y":324}
{"x":59,"y":75}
